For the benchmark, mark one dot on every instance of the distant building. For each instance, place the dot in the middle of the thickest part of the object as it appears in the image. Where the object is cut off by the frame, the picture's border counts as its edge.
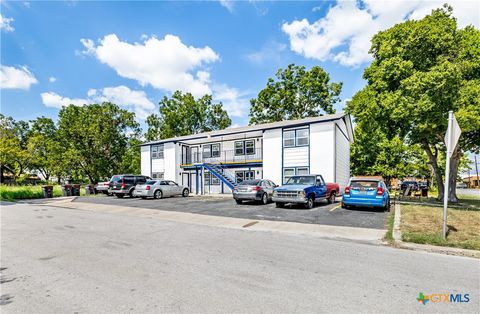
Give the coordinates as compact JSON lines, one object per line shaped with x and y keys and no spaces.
{"x":472,"y":181}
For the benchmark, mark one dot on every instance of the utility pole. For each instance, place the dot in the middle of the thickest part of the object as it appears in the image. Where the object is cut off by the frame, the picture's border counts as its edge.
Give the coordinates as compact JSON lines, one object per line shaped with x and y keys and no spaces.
{"x":476,"y":168}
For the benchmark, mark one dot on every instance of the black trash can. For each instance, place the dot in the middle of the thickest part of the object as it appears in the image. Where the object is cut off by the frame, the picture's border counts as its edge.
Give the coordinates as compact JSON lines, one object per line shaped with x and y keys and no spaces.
{"x":47,"y":191}
{"x":75,"y":189}
{"x":425,"y":192}
{"x":67,"y":190}
{"x":89,"y":189}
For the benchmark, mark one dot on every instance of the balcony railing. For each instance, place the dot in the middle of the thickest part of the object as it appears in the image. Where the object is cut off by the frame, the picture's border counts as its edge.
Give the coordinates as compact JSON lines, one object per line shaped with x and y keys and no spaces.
{"x":224,"y":157}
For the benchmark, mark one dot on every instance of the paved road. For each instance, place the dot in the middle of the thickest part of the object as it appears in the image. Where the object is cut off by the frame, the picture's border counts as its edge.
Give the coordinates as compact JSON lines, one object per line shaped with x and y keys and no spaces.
{"x":469,"y":192}
{"x":57,"y":260}
{"x":322,"y":213}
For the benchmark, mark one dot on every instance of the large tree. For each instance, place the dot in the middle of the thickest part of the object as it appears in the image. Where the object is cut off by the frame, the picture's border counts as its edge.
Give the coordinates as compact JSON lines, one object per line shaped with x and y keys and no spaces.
{"x":14,"y":157}
{"x":296,"y":93}
{"x":95,"y":138}
{"x":182,"y":114}
{"x":421,"y":70}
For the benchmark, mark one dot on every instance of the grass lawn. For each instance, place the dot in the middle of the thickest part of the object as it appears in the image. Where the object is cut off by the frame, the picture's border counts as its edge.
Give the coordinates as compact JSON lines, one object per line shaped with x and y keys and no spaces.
{"x":12,"y":193}
{"x":423,"y":224}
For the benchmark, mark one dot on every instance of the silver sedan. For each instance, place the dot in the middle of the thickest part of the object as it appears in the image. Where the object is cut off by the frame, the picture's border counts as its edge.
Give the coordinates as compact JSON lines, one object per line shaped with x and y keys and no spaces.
{"x":159,"y":189}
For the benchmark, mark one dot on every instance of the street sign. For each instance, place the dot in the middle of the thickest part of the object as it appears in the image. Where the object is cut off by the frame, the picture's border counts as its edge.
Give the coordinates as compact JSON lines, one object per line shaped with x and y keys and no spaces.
{"x":451,"y":140}
{"x":454,"y":131}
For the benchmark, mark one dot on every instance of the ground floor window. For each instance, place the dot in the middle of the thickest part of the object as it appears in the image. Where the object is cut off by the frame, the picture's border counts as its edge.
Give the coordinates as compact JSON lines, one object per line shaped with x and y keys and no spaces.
{"x":294,"y":171}
{"x":244,"y":175}
{"x":157,"y":175}
{"x":211,"y":179}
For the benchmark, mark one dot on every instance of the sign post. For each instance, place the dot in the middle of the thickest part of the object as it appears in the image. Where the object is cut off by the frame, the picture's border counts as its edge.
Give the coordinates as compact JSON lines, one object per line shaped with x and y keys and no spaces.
{"x":451,"y":140}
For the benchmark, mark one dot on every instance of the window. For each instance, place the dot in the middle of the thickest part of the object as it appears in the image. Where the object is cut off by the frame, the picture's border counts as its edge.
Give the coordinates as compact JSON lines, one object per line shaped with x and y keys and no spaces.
{"x":211,"y":150}
{"x":302,"y":137}
{"x":245,"y":148}
{"x":288,"y":138}
{"x":244,"y":175}
{"x":239,"y":149}
{"x":141,"y":179}
{"x":171,"y":183}
{"x":294,"y":171}
{"x":157,"y":175}
{"x":292,"y":138}
{"x":157,"y":151}
{"x":128,"y":180}
{"x":210,"y":179}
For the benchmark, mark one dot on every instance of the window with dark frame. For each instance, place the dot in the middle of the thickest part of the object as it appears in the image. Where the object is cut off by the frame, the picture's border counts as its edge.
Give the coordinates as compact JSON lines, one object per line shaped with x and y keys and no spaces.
{"x":157,"y":151}
{"x":211,"y":150}
{"x":246,"y":147}
{"x":296,"y":138}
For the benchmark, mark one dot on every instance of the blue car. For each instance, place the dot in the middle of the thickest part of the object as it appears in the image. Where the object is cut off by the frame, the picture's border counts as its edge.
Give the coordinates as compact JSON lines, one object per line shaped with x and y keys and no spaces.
{"x":366,"y":193}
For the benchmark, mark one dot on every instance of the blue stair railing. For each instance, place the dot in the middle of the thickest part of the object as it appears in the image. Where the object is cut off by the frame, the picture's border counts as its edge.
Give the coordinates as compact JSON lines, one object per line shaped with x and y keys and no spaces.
{"x":222,"y":174}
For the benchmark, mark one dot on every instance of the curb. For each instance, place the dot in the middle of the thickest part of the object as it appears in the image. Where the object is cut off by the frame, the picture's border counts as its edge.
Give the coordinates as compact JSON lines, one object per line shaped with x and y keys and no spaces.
{"x":397,"y":238}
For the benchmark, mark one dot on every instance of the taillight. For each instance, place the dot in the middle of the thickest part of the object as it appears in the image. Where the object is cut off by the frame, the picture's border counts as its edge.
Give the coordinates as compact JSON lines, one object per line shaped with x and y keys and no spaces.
{"x":256,"y":188}
{"x":123,"y":185}
{"x":347,"y":190}
{"x":147,"y":188}
{"x":379,"y":191}
{"x":107,"y":184}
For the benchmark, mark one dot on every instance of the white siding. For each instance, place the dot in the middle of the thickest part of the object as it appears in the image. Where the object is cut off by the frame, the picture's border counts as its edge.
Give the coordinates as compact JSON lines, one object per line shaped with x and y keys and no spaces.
{"x":295,"y":156}
{"x":342,"y":163}
{"x":322,"y":146}
{"x":170,"y":155}
{"x":272,"y":155}
{"x":145,"y":160}
{"x":158,"y":165}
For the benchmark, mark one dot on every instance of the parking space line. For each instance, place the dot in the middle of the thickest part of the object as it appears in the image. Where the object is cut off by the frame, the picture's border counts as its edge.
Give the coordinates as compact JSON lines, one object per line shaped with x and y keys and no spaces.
{"x":335,"y":207}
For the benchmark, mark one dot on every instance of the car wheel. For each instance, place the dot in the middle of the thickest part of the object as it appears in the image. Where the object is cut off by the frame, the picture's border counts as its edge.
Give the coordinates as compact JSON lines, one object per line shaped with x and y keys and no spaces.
{"x":309,"y":203}
{"x":120,"y":195}
{"x":331,"y":198}
{"x":130,"y":194}
{"x":264,"y":199}
{"x":185,"y":193}
{"x":239,"y":201}
{"x":158,"y":194}
{"x":344,"y":206}
{"x":279,"y":205}
{"x":387,"y":205}
{"x":109,"y":194}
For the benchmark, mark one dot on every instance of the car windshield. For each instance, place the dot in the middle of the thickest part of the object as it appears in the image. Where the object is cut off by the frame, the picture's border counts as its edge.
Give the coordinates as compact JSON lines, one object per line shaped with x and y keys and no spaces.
{"x":363,"y":184}
{"x":151,"y":182}
{"x":301,"y":180}
{"x":249,"y":182}
{"x":116,"y":178}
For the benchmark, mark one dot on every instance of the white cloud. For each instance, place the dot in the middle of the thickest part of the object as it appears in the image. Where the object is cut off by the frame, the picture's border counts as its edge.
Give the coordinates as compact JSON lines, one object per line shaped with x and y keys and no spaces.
{"x":228,"y":4}
{"x":343,"y":34}
{"x":166,"y":64}
{"x":16,"y":78}
{"x":270,"y":52}
{"x":235,"y":102}
{"x":52,"y":79}
{"x":121,"y":95}
{"x":5,"y":24}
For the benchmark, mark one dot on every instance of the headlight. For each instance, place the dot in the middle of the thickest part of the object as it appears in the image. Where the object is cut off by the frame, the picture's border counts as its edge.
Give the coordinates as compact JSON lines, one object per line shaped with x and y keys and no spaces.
{"x":275,"y":193}
{"x":301,"y":193}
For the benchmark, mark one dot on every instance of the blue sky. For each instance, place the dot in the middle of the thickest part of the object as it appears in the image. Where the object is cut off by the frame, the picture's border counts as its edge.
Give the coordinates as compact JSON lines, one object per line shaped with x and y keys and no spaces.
{"x":134,"y":53}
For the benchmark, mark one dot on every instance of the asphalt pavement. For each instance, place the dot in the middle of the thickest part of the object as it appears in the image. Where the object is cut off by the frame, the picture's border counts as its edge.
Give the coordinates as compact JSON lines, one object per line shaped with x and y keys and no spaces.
{"x":59,"y":260}
{"x":322,"y":213}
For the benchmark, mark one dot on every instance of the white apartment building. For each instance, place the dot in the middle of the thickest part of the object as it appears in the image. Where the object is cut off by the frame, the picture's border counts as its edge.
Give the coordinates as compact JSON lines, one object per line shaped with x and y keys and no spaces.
{"x":214,"y":162}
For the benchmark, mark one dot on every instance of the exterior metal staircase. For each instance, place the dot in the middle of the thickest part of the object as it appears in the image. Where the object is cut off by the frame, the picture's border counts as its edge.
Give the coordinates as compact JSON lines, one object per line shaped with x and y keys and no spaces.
{"x":222,"y":174}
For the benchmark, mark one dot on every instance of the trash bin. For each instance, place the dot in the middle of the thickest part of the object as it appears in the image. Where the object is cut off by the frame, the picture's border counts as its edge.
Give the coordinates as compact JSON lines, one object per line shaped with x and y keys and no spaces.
{"x":89,"y":189}
{"x":75,"y":189}
{"x":47,"y":191}
{"x":67,"y":190}
{"x":425,"y":192}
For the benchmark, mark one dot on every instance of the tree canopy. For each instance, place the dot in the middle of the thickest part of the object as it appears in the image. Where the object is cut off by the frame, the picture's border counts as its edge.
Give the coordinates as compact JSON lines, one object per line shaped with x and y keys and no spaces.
{"x":296,"y":93}
{"x":421,"y":70}
{"x":182,"y":114}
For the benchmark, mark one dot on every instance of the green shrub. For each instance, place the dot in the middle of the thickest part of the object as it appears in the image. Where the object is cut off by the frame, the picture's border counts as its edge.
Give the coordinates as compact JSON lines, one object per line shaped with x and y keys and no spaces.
{"x":11,"y":193}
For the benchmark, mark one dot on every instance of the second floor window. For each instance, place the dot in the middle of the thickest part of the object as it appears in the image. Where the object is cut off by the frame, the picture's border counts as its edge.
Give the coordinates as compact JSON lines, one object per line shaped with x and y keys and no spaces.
{"x":245,"y":147}
{"x":157,"y":151}
{"x":292,"y":138}
{"x":211,"y":150}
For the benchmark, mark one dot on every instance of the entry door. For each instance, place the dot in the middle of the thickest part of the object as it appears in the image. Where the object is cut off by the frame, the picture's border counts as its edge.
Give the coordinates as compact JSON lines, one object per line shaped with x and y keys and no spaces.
{"x":186,"y":180}
{"x":194,"y":153}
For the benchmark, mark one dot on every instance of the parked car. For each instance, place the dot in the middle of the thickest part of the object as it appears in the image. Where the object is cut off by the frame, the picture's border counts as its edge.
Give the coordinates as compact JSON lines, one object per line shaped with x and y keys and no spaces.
{"x":305,"y":189}
{"x":413,"y":185}
{"x":102,"y":187}
{"x":254,"y":190}
{"x":366,"y":193}
{"x":461,"y":185}
{"x":124,"y":184}
{"x":160,"y":188}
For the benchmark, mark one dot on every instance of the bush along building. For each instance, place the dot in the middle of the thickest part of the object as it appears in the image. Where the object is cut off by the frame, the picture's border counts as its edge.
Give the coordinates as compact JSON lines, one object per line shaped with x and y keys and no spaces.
{"x":214,"y":162}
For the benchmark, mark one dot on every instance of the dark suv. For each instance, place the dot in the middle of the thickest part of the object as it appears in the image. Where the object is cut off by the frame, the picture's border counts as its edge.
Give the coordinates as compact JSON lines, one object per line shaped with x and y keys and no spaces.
{"x":124,"y":184}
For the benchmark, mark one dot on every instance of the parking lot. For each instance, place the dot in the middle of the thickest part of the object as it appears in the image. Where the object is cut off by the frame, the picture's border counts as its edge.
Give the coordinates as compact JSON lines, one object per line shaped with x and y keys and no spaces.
{"x":322,"y":213}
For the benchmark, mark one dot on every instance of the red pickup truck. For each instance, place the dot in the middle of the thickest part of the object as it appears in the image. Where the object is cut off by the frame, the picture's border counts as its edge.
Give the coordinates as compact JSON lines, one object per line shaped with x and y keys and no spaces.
{"x":305,"y":189}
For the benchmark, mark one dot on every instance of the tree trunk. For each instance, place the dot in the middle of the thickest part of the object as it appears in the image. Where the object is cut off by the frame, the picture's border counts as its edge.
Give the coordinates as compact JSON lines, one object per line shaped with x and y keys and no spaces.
{"x":1,"y":174}
{"x":433,"y":162}
{"x":452,"y":180}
